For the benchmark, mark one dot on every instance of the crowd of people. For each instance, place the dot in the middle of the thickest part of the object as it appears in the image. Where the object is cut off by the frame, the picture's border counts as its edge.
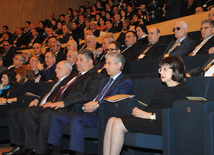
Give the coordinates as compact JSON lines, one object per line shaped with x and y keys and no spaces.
{"x":39,"y":90}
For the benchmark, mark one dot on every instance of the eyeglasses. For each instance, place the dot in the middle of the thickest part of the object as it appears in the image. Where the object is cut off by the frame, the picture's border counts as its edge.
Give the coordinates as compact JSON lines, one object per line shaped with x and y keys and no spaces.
{"x":110,"y":49}
{"x":176,"y":28}
{"x":6,"y":45}
{"x":164,"y":69}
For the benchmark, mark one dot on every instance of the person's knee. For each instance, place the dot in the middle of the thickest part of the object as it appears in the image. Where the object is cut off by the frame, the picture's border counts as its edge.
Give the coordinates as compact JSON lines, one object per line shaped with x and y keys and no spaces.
{"x":118,"y":125}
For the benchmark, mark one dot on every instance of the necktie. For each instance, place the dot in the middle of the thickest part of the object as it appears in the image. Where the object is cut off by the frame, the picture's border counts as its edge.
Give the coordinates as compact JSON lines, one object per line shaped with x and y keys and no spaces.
{"x":208,"y":66}
{"x":197,"y":48}
{"x":142,"y":55}
{"x":125,"y":49}
{"x":174,"y":46}
{"x":43,"y":101}
{"x":62,"y":89}
{"x":105,"y":89}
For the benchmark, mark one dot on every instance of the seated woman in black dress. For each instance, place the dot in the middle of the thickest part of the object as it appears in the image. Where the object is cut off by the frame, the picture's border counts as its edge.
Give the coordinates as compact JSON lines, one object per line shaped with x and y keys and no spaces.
{"x":148,"y":121}
{"x":16,"y":96}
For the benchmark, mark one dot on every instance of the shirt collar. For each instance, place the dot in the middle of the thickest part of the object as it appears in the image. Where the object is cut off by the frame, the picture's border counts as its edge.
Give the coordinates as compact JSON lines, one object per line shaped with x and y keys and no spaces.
{"x":116,"y":76}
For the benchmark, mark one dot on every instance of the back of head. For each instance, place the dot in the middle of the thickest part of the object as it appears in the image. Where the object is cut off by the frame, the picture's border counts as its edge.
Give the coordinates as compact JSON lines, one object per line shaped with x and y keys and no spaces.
{"x":25,"y":72}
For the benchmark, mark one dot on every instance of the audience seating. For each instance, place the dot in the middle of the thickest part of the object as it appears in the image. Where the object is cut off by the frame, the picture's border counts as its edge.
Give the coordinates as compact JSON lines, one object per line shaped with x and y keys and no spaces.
{"x":149,"y":68}
{"x":143,"y":90}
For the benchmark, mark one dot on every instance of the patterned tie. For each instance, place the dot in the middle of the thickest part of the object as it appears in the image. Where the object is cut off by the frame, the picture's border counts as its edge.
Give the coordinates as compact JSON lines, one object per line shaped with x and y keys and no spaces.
{"x":142,"y":55}
{"x":44,"y":99}
{"x":62,"y":89}
{"x":174,"y":46}
{"x":104,"y":91}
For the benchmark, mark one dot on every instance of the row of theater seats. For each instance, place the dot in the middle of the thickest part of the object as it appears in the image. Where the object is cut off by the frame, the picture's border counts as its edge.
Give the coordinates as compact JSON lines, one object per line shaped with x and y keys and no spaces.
{"x":149,"y":68}
{"x":185,"y":129}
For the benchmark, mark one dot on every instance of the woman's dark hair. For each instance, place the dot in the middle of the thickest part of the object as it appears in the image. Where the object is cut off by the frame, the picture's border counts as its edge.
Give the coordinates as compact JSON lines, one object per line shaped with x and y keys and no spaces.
{"x":11,"y":76}
{"x":42,"y":23}
{"x":176,"y":63}
{"x":25,"y":72}
{"x":94,"y":5}
{"x":143,"y":28}
{"x":125,"y":13}
{"x":99,"y":20}
{"x":82,"y":7}
{"x":110,"y":13}
{"x":71,"y":10}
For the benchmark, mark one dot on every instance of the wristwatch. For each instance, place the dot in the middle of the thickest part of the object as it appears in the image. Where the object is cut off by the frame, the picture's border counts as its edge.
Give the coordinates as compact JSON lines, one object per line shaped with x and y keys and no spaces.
{"x":152,"y":116}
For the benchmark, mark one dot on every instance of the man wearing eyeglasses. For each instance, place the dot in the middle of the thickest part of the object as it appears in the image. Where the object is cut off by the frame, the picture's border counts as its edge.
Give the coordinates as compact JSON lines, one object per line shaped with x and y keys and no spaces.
{"x":203,"y":46}
{"x":183,"y":45}
{"x":8,"y":53}
{"x":18,"y":60}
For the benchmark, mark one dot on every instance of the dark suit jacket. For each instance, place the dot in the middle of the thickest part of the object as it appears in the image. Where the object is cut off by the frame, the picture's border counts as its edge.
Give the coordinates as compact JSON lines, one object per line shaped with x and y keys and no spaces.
{"x":8,"y":58}
{"x":184,"y":49}
{"x":49,"y":74}
{"x":65,"y":38}
{"x":96,"y":33}
{"x":142,"y":40}
{"x":121,"y":38}
{"x":118,"y":27}
{"x":82,"y":90}
{"x":131,"y":52}
{"x":44,"y":87}
{"x":22,"y":40}
{"x":199,"y":70}
{"x":156,"y":51}
{"x":122,"y":85}
{"x":36,"y":40}
{"x":61,"y":55}
{"x":204,"y":49}
{"x":42,"y":57}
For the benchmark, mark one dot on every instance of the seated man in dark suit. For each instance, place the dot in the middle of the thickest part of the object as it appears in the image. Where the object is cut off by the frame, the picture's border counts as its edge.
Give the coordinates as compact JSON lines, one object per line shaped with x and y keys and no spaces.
{"x":93,"y":25}
{"x":34,"y":38}
{"x":56,"y":48}
{"x":20,"y":38}
{"x":109,"y":26}
{"x":183,"y":45}
{"x":48,"y":73}
{"x":16,"y":116}
{"x":65,"y":36}
{"x":37,"y":51}
{"x":117,"y":83}
{"x":86,"y":34}
{"x":71,"y":58}
{"x":207,"y":41}
{"x":131,"y":48}
{"x":5,"y":29}
{"x":18,"y":60}
{"x":118,"y":24}
{"x":154,"y":49}
{"x":8,"y":53}
{"x":81,"y":88}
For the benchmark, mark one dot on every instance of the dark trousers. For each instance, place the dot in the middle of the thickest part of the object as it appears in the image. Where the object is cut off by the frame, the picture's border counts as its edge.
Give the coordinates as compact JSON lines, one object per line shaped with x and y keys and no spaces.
{"x":16,"y":126}
{"x":37,"y":124}
{"x":78,"y":122}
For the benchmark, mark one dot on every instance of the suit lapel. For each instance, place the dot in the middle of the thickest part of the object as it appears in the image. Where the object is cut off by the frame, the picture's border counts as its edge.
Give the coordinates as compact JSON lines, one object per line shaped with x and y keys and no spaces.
{"x":114,"y":85}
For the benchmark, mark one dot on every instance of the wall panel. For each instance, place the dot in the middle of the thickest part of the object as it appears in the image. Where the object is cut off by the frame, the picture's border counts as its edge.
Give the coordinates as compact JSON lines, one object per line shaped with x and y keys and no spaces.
{"x":15,"y":12}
